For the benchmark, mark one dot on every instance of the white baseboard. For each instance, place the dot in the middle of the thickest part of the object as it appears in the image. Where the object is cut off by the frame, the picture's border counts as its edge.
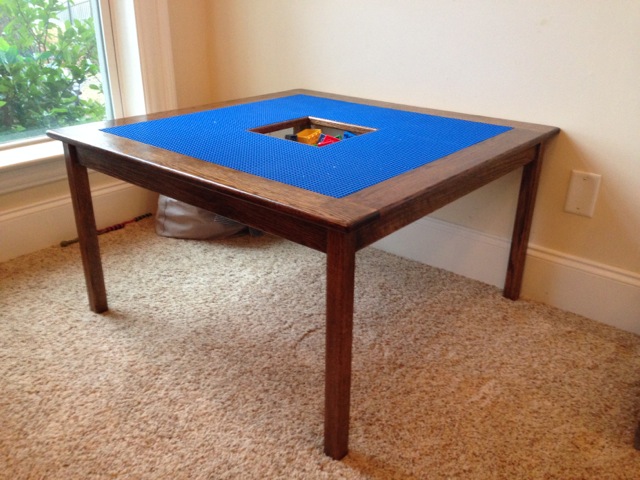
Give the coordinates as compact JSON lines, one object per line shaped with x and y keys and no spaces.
{"x":596,"y":291}
{"x":40,"y":225}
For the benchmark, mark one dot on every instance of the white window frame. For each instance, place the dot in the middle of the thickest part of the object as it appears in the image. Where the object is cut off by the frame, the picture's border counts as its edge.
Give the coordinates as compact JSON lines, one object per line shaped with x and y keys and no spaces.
{"x":140,"y":63}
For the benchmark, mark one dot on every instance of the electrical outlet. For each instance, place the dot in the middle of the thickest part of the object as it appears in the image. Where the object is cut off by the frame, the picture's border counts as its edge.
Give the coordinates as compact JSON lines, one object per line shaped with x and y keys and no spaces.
{"x":582,"y":193}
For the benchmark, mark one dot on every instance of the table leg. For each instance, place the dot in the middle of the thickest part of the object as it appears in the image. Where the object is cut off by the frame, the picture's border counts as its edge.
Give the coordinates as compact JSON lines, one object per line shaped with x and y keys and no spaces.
{"x":340,"y":294}
{"x":87,"y":232}
{"x":522,"y":226}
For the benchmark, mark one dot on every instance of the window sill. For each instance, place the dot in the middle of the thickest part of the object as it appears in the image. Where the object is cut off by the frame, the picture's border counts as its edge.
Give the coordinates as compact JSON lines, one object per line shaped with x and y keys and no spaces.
{"x":31,"y":165}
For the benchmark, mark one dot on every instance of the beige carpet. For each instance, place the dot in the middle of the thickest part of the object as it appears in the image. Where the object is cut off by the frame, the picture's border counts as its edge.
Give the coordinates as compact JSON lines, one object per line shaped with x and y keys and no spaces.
{"x":209,"y":365}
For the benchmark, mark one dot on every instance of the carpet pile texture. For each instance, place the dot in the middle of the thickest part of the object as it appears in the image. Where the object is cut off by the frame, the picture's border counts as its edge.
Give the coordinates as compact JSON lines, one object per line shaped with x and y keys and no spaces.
{"x":210,"y":365}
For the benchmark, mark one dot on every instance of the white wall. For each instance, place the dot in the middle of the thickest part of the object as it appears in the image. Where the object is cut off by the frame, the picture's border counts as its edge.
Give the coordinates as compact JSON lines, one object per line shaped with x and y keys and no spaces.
{"x":191,"y":38}
{"x":574,"y":64}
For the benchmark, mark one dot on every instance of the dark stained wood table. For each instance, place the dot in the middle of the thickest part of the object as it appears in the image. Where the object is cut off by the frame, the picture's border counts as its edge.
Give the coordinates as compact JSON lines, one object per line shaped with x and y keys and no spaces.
{"x":337,"y":226}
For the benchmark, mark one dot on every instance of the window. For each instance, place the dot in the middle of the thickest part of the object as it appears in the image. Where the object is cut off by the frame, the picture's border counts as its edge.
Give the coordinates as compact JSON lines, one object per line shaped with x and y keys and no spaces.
{"x":138,"y":58}
{"x":52,"y":67}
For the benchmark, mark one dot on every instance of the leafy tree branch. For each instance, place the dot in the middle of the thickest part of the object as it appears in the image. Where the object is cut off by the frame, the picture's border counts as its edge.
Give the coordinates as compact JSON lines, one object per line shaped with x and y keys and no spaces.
{"x":47,"y":67}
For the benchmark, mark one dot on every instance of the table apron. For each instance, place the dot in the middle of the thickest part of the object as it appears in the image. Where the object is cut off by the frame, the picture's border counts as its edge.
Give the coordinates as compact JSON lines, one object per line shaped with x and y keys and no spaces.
{"x":440,"y":194}
{"x":194,"y":192}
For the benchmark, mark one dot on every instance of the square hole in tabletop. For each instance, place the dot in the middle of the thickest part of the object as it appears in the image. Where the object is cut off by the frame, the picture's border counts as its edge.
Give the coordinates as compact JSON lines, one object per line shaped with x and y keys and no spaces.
{"x":313,"y":131}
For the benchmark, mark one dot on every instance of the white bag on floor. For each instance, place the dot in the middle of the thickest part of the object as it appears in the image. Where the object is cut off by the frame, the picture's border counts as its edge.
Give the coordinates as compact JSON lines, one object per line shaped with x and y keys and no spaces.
{"x":177,"y":219}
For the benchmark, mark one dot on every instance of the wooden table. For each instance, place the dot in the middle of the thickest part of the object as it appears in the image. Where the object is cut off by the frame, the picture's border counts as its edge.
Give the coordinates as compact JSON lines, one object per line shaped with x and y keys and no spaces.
{"x":337,"y":226}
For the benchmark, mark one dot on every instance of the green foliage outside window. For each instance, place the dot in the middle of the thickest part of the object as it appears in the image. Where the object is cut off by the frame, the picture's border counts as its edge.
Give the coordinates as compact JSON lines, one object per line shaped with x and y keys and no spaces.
{"x":49,"y":70}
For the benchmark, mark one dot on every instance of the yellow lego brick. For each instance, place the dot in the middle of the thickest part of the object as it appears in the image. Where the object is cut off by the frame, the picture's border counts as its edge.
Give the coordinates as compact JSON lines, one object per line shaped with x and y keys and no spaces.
{"x":309,"y":136}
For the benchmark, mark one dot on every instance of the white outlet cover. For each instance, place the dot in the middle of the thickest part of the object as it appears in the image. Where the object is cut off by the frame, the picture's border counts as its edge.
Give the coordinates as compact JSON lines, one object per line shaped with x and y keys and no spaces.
{"x":582,"y":193}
